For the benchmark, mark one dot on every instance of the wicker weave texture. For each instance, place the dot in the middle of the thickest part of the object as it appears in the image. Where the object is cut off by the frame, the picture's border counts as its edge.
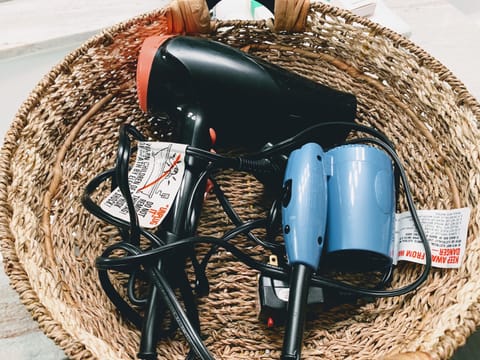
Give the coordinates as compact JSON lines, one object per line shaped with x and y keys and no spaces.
{"x":65,"y":133}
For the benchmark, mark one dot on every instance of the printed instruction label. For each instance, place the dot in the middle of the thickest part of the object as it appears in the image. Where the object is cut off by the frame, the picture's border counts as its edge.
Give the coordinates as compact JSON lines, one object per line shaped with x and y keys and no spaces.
{"x":154,"y":182}
{"x":446,"y":232}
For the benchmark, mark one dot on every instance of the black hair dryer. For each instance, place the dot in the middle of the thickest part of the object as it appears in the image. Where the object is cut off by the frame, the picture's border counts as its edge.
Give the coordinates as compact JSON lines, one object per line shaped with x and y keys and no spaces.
{"x":248,"y":101}
{"x":202,"y":84}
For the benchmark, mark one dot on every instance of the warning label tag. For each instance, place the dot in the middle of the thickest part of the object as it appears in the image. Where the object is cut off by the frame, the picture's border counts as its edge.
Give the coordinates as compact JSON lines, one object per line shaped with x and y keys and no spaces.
{"x":446,"y":232}
{"x":154,"y":181}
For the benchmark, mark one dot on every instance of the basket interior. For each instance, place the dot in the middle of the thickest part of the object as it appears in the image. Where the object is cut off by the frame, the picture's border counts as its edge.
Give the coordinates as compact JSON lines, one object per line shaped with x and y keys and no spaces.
{"x":423,"y":109}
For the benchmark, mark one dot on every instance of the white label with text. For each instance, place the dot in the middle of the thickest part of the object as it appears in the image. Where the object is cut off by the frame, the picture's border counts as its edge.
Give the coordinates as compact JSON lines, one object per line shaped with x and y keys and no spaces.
{"x":445,"y":230}
{"x":154,"y":181}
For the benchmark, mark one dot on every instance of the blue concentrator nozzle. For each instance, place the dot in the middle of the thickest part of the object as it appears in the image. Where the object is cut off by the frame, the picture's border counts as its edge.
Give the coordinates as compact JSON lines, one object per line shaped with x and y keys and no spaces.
{"x":361,"y":207}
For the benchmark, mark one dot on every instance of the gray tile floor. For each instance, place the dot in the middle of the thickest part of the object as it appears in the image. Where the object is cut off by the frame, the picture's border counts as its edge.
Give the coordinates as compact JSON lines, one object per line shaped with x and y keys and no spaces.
{"x":468,"y":7}
{"x":449,"y":30}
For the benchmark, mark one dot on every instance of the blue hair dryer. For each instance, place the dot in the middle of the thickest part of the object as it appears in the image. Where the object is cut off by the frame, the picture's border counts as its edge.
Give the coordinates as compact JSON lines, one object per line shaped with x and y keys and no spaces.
{"x":304,"y":217}
{"x":345,"y":199}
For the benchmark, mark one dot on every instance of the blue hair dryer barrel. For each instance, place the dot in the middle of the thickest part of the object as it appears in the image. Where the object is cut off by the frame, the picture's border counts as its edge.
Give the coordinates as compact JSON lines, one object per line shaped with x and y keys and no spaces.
{"x":304,"y":217}
{"x":361,"y":207}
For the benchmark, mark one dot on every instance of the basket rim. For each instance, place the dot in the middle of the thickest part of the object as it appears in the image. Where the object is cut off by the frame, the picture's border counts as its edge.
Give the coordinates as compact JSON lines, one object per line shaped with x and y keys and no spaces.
{"x":16,"y":273}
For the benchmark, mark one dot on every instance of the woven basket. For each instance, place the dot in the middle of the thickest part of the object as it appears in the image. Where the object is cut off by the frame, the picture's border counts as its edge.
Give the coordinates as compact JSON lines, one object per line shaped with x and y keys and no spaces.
{"x":65,"y":133}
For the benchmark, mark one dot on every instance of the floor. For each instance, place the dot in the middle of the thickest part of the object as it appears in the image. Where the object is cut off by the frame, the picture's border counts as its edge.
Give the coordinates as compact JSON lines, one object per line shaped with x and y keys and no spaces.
{"x":34,"y":35}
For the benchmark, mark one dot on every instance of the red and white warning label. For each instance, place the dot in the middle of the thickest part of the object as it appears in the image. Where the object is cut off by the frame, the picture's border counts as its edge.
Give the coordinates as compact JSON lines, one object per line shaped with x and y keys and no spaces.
{"x":154,"y":181}
{"x":445,"y":230}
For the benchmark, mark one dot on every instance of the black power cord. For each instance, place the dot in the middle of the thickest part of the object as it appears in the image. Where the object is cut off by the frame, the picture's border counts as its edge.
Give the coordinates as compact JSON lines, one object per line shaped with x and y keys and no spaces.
{"x":145,"y":263}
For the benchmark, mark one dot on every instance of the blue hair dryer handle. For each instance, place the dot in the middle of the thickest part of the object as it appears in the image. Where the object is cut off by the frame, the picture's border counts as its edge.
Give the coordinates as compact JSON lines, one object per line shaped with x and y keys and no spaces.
{"x":304,"y":205}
